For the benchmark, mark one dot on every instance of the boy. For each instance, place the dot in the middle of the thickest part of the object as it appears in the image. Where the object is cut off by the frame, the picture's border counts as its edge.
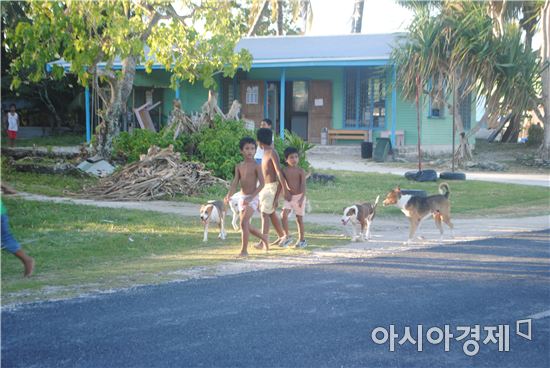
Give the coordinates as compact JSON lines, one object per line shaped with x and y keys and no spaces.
{"x":266,"y":123}
{"x":13,"y":125}
{"x":247,"y":174}
{"x":269,"y":196}
{"x":296,"y":179}
{"x":8,"y":241}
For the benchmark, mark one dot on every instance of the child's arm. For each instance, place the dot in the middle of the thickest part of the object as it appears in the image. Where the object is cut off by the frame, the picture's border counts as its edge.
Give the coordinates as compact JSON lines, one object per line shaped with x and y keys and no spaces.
{"x":260,"y":179}
{"x":280,"y":174}
{"x":233,"y":187}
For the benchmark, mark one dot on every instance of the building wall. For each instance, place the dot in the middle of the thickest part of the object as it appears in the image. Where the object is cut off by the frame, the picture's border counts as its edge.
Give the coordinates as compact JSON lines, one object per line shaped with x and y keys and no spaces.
{"x":336,"y":75}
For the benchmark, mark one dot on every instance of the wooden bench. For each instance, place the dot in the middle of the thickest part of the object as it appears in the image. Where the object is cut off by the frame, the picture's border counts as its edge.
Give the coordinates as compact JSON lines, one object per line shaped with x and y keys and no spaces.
{"x":358,"y":135}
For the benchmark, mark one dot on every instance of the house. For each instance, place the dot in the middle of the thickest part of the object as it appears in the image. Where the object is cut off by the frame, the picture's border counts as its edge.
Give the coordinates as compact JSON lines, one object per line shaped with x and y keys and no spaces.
{"x":308,"y":83}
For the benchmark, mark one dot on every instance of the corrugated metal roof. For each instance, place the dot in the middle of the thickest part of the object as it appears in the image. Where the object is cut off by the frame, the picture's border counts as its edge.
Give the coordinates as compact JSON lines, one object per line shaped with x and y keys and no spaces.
{"x":361,"y":49}
{"x":350,"y":47}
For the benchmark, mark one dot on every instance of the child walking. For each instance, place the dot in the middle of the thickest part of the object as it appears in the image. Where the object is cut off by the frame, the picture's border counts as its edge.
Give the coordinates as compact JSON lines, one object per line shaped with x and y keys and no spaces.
{"x":13,"y":125}
{"x":296,"y":179}
{"x":248,"y":174}
{"x":8,"y":241}
{"x":275,"y":184}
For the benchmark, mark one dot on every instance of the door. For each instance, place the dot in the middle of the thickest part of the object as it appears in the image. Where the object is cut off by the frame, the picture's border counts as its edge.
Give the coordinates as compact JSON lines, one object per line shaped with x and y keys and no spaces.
{"x":252,"y":100}
{"x":320,"y":108}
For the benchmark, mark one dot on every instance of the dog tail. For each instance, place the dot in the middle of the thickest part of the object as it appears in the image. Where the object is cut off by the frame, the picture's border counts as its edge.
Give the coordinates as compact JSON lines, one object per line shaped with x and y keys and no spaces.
{"x":376,"y":202}
{"x":444,"y":190}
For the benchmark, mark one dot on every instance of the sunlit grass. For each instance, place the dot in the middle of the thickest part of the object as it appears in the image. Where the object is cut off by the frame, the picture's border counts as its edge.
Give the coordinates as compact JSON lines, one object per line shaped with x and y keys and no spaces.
{"x":82,"y":248}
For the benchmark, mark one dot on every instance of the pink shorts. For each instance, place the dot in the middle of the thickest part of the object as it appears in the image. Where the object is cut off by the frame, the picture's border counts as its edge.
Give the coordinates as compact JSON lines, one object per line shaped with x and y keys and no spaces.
{"x":294,"y":205}
{"x":12,"y":134}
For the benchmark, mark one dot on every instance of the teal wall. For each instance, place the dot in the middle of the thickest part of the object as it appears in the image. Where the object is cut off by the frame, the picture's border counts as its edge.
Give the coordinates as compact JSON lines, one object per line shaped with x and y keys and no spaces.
{"x":336,"y":75}
{"x":435,"y":131}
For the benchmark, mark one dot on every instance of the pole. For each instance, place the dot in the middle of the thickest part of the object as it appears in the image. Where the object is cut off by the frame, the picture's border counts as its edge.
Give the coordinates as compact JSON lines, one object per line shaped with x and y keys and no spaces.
{"x":418,"y":121}
{"x":454,"y":126}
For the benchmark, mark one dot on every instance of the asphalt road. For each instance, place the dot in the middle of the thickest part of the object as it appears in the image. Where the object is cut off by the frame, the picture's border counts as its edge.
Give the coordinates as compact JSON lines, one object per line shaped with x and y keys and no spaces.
{"x":312,"y":316}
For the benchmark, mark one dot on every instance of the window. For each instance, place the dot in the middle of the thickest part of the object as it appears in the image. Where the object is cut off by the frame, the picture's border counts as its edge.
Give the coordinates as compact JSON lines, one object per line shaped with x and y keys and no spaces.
{"x":466,"y":111}
{"x":437,"y":98}
{"x":299,"y":96}
{"x":252,"y":95}
{"x":365,"y":94}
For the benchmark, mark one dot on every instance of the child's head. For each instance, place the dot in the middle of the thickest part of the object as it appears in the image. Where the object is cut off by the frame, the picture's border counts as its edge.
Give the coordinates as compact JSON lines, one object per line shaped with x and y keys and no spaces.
{"x":264,"y":136}
{"x":266,"y":123}
{"x":12,"y":107}
{"x":248,"y":147}
{"x":291,"y":156}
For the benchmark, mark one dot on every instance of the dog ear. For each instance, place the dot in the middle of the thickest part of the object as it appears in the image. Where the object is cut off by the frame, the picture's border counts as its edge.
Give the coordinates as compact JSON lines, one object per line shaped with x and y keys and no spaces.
{"x":398,"y":188}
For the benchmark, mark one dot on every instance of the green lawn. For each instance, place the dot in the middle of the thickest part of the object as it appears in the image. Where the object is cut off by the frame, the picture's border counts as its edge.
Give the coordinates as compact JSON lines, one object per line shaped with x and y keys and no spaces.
{"x":469,"y":198}
{"x":80,"y":248}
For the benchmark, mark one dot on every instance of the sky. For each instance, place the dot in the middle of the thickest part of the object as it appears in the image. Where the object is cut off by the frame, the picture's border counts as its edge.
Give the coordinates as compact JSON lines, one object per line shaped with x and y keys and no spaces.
{"x":379,"y":16}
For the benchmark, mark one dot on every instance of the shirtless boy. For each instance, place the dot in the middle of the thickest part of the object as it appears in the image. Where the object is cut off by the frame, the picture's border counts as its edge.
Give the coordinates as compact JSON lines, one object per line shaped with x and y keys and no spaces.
{"x":248,"y":175}
{"x":275,"y":184}
{"x":296,"y":179}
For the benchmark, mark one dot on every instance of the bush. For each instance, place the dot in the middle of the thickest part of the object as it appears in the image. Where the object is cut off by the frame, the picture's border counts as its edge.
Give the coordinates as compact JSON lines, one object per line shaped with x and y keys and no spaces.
{"x":130,"y":145}
{"x":218,"y":147}
{"x":535,"y":135}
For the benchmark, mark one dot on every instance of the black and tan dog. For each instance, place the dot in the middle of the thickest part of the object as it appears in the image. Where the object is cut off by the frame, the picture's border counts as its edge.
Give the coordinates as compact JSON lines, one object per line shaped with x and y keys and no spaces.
{"x":362,"y":214}
{"x":420,"y":208}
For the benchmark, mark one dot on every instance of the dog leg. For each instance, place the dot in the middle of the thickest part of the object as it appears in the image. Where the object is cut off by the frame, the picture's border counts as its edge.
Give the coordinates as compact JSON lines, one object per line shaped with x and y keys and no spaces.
{"x":235,"y":221}
{"x":205,"y":237}
{"x":414,"y":223}
{"x":447,"y":220}
{"x":354,"y":237}
{"x":437,"y":218}
{"x":367,"y":236}
{"x":363,"y":232}
{"x":222,"y":228}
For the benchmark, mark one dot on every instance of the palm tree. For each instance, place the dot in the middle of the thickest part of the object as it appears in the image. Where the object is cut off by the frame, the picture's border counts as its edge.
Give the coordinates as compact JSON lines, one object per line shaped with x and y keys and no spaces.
{"x":357,"y":17}
{"x":459,"y":48}
{"x":298,"y":9}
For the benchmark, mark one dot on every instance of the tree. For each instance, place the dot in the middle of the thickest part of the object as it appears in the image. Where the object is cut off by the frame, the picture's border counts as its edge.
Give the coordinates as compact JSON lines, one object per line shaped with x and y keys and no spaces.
{"x":93,"y":36}
{"x":544,"y":151}
{"x":283,"y":14}
{"x":457,"y":47}
{"x":357,"y":17}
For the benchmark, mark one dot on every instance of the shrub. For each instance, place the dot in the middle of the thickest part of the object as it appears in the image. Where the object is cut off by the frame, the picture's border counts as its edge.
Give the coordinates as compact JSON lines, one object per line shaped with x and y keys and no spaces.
{"x":130,"y":145}
{"x":218,"y":147}
{"x":535,"y":135}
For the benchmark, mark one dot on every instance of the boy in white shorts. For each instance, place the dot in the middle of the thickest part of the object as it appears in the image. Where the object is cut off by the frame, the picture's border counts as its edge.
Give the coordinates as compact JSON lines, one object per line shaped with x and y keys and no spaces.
{"x":296,"y":179}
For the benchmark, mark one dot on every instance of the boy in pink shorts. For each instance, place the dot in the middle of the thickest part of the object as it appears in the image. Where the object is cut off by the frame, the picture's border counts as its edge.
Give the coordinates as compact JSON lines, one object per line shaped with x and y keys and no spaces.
{"x":296,"y":179}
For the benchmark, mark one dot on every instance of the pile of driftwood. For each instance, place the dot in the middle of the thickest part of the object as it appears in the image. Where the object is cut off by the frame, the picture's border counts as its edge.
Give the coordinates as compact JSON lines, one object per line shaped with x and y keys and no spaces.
{"x":158,"y":174}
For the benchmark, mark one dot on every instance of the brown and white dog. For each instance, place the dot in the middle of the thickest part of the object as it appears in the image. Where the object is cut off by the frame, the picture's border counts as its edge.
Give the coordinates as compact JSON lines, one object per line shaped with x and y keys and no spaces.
{"x":420,"y":208}
{"x":362,"y":214}
{"x":213,"y":213}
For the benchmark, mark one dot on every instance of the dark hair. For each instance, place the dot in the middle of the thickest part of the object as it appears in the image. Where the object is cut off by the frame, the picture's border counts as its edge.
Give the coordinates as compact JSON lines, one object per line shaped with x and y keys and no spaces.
{"x":245,"y":141}
{"x":265,"y":136}
{"x":13,"y":105}
{"x":268,"y":122}
{"x":290,"y":150}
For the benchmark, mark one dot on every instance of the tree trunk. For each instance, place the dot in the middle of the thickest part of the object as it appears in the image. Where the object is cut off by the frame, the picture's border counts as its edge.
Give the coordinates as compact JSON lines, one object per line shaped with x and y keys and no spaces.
{"x":463,"y":152}
{"x":109,"y":128}
{"x":544,"y":151}
{"x":357,"y":17}
{"x":254,"y":26}
{"x":280,"y":17}
{"x":511,"y":133}
{"x":45,"y":98}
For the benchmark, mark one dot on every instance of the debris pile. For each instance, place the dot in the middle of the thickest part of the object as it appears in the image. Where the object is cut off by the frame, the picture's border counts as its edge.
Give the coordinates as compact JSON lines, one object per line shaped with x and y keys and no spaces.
{"x":159,"y":173}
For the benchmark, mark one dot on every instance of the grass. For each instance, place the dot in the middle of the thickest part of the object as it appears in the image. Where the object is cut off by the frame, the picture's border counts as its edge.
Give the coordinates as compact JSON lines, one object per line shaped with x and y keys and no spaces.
{"x":68,"y":139}
{"x":469,"y":198}
{"x":80,"y":248}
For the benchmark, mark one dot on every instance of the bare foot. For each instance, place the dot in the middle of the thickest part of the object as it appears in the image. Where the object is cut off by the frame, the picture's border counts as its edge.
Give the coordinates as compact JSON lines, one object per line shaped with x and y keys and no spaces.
{"x":276,"y":242}
{"x":265,"y":240}
{"x":29,"y":267}
{"x":242,"y":255}
{"x":259,"y":245}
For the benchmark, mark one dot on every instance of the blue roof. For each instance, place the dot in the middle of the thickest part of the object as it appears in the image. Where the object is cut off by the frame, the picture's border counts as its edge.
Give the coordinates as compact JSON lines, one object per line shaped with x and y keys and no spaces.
{"x":362,"y":49}
{"x":289,"y":51}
